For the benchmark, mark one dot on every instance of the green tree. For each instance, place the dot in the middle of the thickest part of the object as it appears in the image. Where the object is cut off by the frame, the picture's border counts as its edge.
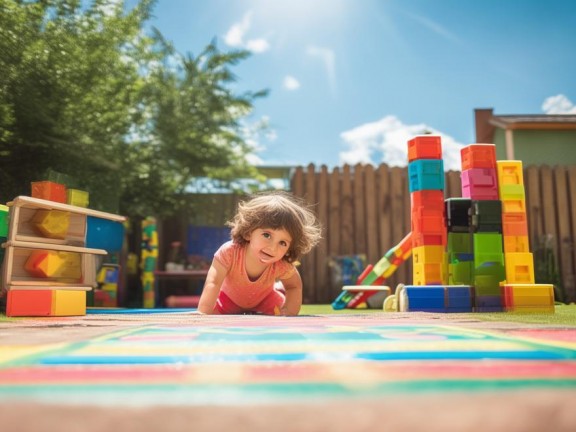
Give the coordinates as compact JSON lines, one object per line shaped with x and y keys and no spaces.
{"x":87,"y":92}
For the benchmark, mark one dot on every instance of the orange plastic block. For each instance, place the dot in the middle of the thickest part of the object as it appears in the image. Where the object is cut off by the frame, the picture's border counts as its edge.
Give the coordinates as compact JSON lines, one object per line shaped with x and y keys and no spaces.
{"x":478,"y":156}
{"x":428,"y":199}
{"x":519,"y":268}
{"x":48,"y":190}
{"x":54,"y":264}
{"x":516,"y":244}
{"x":429,"y":273}
{"x":77,"y":198}
{"x":425,"y":147}
{"x":52,"y":223}
{"x":514,"y":224}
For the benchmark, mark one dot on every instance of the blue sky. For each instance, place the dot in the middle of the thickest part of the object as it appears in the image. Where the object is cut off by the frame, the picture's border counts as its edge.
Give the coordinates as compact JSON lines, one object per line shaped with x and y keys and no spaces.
{"x":352,"y":80}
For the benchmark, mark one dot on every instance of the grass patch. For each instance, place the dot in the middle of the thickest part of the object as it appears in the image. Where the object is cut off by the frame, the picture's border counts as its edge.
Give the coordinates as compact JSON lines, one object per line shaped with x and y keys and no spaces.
{"x":565,"y":315}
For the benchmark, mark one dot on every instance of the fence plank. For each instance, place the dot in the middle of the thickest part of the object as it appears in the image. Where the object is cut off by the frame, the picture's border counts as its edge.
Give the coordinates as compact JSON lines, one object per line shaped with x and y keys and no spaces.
{"x":359,"y":209}
{"x":384,"y":210}
{"x":453,"y":185}
{"x":308,"y":265}
{"x":565,"y":243}
{"x":533,"y":205}
{"x":347,"y":240}
{"x":333,"y":231}
{"x":372,"y":225}
{"x":548,"y":213}
{"x":322,"y":283}
{"x":571,"y":172}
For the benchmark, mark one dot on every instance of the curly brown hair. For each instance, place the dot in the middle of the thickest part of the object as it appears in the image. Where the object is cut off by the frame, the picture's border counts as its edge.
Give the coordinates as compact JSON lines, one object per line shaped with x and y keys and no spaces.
{"x":278,"y":210}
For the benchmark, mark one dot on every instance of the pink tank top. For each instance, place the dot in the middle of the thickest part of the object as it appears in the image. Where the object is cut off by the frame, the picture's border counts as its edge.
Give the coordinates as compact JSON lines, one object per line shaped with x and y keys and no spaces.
{"x":238,"y":286}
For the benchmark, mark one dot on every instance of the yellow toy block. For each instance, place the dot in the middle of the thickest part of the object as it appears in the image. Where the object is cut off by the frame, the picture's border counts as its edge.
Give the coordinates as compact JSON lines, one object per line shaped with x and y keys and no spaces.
{"x":54,"y":264}
{"x":516,"y":244}
{"x":77,"y":198}
{"x":512,"y":192}
{"x":428,"y":254}
{"x":68,"y":303}
{"x":528,"y":298}
{"x":519,"y":268}
{"x":52,"y":223}
{"x":510,"y":172}
{"x":513,"y":205}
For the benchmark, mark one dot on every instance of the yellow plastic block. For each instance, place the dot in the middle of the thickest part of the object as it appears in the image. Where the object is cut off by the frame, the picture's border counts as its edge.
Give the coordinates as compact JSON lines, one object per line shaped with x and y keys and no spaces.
{"x":54,"y":264}
{"x":68,"y":303}
{"x":52,"y":223}
{"x":519,"y":268}
{"x":533,"y":298}
{"x":514,"y":244}
{"x":428,"y":254}
{"x":510,"y":172}
{"x":77,"y":197}
{"x":513,"y":205}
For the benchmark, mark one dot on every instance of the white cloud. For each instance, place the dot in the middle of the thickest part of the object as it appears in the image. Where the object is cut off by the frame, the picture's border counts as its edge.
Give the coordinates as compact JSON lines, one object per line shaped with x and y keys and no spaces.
{"x":290,"y":83}
{"x":386,"y":141}
{"x":328,"y":58}
{"x":235,"y":36}
{"x":558,"y":104}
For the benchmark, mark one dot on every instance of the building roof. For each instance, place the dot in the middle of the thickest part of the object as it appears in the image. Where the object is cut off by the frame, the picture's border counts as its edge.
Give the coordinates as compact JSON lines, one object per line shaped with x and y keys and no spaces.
{"x":539,"y":121}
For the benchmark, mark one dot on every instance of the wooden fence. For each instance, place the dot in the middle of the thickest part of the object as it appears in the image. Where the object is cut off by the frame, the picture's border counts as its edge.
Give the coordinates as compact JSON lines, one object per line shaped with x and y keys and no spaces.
{"x":366,"y":210}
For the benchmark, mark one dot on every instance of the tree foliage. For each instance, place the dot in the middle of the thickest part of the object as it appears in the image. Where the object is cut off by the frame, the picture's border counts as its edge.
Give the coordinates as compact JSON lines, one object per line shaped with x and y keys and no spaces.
{"x":87,"y":92}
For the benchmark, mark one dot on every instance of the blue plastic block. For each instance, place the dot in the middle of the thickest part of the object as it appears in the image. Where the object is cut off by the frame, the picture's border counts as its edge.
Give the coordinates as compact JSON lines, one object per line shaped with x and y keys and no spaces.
{"x":425,"y":298}
{"x":104,"y":234}
{"x":426,"y":174}
{"x":460,"y":298}
{"x":489,"y":304}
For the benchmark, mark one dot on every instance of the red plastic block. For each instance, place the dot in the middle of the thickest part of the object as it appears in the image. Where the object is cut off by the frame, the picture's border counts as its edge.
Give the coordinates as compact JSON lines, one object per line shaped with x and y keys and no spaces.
{"x":50,"y":191}
{"x":429,"y":199}
{"x":425,"y":147}
{"x":426,"y":239}
{"x":478,"y":156}
{"x":29,"y":303}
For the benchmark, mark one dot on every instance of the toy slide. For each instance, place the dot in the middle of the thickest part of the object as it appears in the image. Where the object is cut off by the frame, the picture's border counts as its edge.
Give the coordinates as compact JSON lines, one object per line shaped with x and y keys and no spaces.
{"x":374,"y":276}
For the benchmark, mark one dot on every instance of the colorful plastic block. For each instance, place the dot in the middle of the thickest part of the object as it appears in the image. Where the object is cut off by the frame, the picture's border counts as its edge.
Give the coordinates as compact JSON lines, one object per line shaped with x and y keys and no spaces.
{"x":478,"y":156}
{"x":68,"y":303}
{"x":516,"y":244}
{"x":77,"y":198}
{"x":54,"y":264}
{"x":519,"y":268}
{"x":458,"y":214}
{"x":422,"y":299}
{"x":513,"y":205}
{"x":426,"y":174}
{"x":426,"y":239}
{"x":51,"y":223}
{"x":486,"y":216}
{"x":510,"y":172}
{"x":488,"y":303}
{"x":429,"y":273}
{"x":424,"y":147}
{"x":461,"y":273}
{"x":528,"y":298}
{"x":460,"y":243}
{"x":104,"y":234}
{"x":480,"y":184}
{"x":29,"y":303}
{"x":49,"y":190}
{"x":514,"y":224}
{"x":4,"y":213}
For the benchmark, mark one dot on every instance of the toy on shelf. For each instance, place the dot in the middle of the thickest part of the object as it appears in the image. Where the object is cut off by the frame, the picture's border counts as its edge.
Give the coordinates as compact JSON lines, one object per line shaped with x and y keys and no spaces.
{"x":373,"y":277}
{"x":50,"y":255}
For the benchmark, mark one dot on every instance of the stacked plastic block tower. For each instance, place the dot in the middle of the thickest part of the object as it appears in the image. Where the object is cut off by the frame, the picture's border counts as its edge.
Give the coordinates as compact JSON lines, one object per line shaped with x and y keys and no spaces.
{"x":50,"y":250}
{"x":470,"y":253}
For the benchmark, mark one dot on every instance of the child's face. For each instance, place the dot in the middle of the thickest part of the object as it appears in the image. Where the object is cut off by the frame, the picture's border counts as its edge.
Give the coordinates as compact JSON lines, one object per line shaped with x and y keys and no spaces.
{"x":268,"y":245}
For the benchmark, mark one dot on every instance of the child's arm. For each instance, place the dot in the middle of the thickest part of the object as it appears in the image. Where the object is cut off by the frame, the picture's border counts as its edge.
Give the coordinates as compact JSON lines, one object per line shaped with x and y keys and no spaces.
{"x":214,"y":279}
{"x":293,"y":286}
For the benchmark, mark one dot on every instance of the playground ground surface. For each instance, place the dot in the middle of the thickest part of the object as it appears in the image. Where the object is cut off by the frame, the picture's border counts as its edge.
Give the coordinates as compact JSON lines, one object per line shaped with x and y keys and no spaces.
{"x":351,"y":370}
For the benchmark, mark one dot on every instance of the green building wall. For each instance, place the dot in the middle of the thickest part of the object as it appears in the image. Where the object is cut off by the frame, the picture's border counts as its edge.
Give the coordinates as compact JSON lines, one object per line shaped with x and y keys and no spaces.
{"x":538,"y":147}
